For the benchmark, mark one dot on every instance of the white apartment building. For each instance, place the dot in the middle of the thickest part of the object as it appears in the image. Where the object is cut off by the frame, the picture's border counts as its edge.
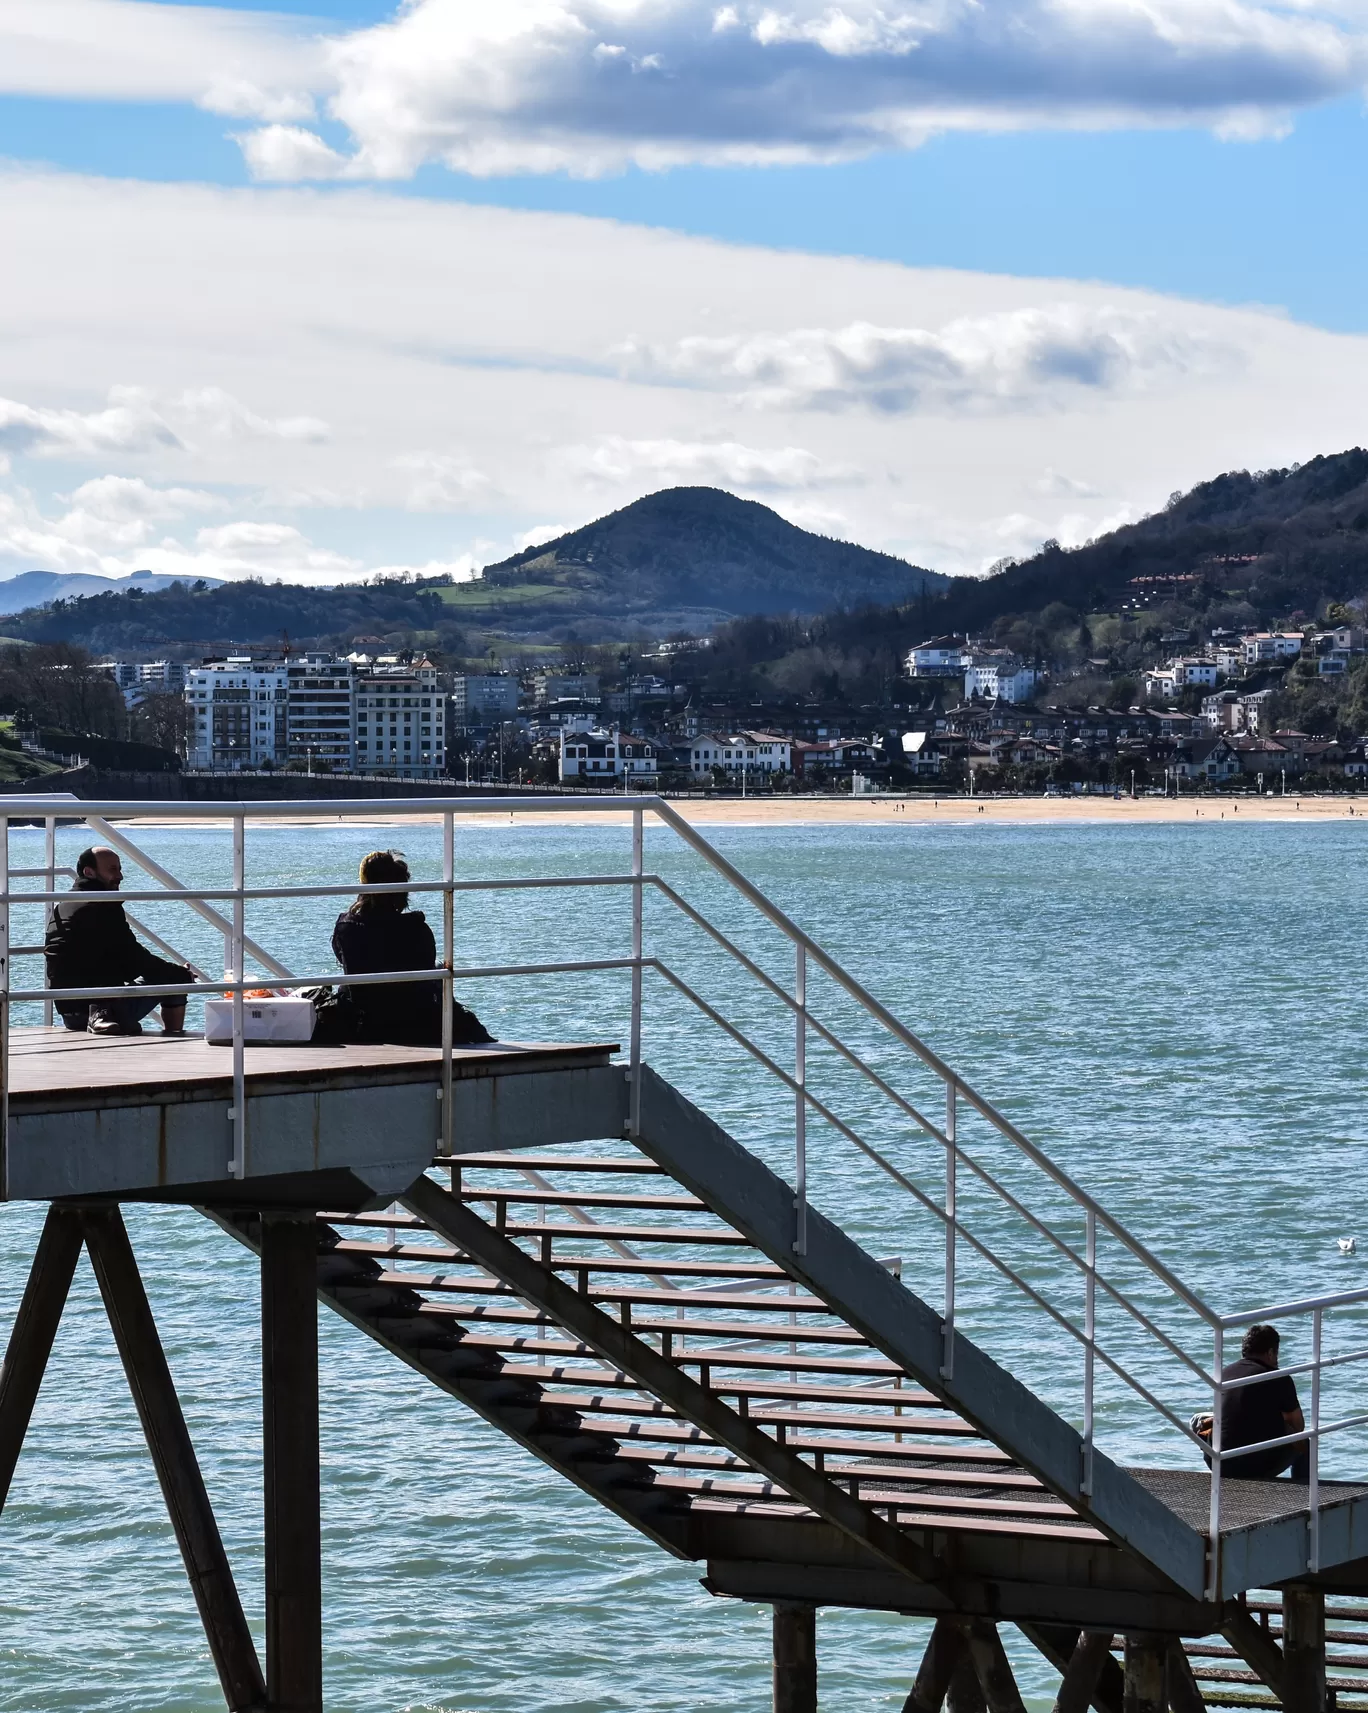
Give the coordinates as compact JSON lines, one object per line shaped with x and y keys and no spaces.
{"x":484,"y":699}
{"x":751,"y":753}
{"x":566,"y":687}
{"x":938,"y":657}
{"x":1193,"y":673}
{"x":401,"y":721}
{"x":140,"y":678}
{"x":1000,"y":680}
{"x":319,"y":713}
{"x":1266,"y":645}
{"x":237,"y":714}
{"x":604,"y":756}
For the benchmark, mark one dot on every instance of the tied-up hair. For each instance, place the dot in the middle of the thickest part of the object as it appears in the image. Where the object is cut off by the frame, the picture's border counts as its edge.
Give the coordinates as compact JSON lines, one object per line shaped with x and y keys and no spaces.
{"x":381,"y":868}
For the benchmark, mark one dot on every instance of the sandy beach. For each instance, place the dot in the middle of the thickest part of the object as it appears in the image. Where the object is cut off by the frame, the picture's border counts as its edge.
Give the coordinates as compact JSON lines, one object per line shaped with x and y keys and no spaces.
{"x":846,"y":811}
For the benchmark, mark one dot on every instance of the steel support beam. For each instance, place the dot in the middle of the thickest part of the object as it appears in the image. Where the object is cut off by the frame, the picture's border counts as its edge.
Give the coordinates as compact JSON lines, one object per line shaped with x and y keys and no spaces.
{"x":795,"y":1658}
{"x":1184,"y":1696}
{"x":451,"y":1219}
{"x":173,"y":1456}
{"x":1255,"y":1647}
{"x":1303,"y":1649}
{"x":993,"y":1668}
{"x":1060,"y":1642}
{"x":946,"y":1652}
{"x":1092,"y":1652}
{"x":965,"y":1694}
{"x":289,"y":1357}
{"x":35,"y":1327}
{"x":1146,"y":1686}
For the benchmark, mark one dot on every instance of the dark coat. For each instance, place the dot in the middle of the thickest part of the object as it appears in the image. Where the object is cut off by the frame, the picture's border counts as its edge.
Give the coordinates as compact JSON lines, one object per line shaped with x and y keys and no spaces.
{"x":92,"y":945}
{"x":405,"y":1012}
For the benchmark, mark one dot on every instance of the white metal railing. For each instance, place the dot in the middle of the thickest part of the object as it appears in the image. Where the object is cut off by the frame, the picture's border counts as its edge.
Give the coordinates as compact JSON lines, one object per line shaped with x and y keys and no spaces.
{"x":940,"y":1196}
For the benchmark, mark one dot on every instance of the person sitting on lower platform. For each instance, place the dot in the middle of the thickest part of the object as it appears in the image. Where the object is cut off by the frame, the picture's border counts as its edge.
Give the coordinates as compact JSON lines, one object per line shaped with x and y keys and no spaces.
{"x":1267,"y":1409}
{"x":91,"y":945}
{"x":379,"y":932}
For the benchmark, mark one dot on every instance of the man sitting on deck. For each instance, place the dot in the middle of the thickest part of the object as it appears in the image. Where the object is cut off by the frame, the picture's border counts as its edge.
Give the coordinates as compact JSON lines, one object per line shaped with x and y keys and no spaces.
{"x":91,"y":945}
{"x":1268,"y":1409}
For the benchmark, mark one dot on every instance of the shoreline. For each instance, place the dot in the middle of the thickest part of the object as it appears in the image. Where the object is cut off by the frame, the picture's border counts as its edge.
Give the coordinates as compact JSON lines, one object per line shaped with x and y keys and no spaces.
{"x":859,"y":812}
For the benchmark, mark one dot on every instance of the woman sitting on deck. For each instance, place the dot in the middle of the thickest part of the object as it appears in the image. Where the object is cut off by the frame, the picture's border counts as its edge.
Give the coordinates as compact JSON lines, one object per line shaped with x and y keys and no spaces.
{"x":379,"y":932}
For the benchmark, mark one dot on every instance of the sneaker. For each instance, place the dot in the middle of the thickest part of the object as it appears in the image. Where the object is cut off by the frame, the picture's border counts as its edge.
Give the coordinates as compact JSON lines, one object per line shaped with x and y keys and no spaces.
{"x":104,"y":1022}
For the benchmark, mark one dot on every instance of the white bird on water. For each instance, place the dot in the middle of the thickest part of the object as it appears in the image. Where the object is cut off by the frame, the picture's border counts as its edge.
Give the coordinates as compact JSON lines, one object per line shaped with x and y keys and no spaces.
{"x":1347,"y":1245}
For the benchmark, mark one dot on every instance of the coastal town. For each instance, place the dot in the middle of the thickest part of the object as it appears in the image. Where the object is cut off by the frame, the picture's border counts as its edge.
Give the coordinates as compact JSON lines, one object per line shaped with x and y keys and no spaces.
{"x":961,"y":717}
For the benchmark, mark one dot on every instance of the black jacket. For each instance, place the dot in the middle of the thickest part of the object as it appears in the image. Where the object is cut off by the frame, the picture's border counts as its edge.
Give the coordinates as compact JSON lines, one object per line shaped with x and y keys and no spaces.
{"x":408,"y":1012}
{"x":92,"y":945}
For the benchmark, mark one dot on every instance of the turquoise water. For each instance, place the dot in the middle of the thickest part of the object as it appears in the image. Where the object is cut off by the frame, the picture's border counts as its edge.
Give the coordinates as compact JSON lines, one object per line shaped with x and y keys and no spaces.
{"x":1173,"y":1012}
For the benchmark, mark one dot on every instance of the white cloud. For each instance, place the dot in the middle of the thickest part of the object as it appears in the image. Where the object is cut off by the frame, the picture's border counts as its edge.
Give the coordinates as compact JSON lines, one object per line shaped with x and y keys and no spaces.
{"x":1026,"y":357}
{"x":493,"y":87}
{"x":249,"y":65}
{"x":614,"y":460}
{"x":136,"y":420}
{"x":422,"y":331}
{"x":444,"y":482}
{"x":1059,"y":486}
{"x":282,"y":153}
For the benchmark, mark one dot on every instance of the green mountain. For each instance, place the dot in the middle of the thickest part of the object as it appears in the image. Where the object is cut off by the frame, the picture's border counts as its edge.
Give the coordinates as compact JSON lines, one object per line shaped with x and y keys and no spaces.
{"x":684,"y":559}
{"x":1271,"y":543}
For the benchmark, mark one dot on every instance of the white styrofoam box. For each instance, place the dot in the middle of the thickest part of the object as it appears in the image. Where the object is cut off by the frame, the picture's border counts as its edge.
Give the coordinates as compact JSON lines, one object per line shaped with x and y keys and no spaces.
{"x":262,"y":1020}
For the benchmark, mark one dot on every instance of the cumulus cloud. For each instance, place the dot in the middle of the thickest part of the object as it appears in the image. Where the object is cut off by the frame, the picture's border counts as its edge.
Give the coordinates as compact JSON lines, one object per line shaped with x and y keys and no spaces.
{"x":589,"y":87}
{"x":278,"y":547}
{"x":1020,"y":358}
{"x":444,"y":482}
{"x":139,"y":420}
{"x":614,"y":460}
{"x":249,"y":65}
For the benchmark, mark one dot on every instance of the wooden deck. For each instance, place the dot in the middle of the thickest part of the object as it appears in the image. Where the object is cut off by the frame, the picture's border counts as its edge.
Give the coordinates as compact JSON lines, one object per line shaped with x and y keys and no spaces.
{"x":56,"y":1069}
{"x":149,"y":1116}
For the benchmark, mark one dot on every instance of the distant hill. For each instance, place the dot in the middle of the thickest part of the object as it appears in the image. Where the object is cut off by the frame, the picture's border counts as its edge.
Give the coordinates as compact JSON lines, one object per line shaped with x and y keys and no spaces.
{"x":686,"y":558}
{"x":34,"y":588}
{"x":1275,"y":541}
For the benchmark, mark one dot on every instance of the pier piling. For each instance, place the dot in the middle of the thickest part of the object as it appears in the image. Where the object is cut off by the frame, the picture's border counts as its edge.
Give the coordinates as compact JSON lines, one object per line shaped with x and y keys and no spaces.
{"x":1146,"y":1688}
{"x":289,"y":1355}
{"x":35,"y":1327}
{"x":1303,"y":1649}
{"x":795,"y":1658}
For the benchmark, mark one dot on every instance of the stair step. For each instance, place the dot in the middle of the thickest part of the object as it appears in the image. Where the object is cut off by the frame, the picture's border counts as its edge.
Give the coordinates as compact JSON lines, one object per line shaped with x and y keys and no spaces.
{"x":829,"y":1418}
{"x":617,"y":1294}
{"x":637,"y":1164}
{"x":578,"y":1198}
{"x":677,"y":1235}
{"x":765,"y":1271}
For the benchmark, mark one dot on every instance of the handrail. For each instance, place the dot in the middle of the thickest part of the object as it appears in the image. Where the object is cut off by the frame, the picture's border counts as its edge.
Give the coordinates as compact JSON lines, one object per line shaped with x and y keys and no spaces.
{"x":797,"y":1005}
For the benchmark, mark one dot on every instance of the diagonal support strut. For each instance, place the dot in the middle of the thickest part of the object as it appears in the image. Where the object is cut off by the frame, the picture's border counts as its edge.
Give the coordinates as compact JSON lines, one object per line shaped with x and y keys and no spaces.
{"x":35,"y":1328}
{"x":173,"y":1454}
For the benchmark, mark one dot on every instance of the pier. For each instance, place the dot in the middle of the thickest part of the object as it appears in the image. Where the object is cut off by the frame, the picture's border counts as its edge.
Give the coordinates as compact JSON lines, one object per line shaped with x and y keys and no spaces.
{"x":558,"y":1238}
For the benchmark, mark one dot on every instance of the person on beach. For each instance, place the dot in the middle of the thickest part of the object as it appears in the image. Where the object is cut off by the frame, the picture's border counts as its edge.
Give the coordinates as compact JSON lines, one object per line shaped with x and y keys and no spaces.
{"x":378,"y":933}
{"x":90,"y":944}
{"x":1269,"y":1409}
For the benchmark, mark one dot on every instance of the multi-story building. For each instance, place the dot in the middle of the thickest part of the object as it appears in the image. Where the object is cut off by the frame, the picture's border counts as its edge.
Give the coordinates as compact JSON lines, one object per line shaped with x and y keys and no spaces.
{"x":938,"y":657}
{"x":237,"y":714}
{"x":140,"y":678}
{"x":401,"y":720}
{"x":1265,"y":645}
{"x":579,"y":687}
{"x":589,"y":756}
{"x":484,"y":700}
{"x":753,"y":754}
{"x":1000,"y":680}
{"x":320,"y":713}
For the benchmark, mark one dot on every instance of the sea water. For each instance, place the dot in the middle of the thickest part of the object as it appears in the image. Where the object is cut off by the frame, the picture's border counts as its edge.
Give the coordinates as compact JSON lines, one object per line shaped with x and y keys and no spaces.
{"x":1173,"y":1012}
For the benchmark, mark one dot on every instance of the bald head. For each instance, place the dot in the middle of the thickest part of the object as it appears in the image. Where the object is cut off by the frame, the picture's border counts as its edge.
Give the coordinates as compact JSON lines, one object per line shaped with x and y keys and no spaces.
{"x":101,"y":866}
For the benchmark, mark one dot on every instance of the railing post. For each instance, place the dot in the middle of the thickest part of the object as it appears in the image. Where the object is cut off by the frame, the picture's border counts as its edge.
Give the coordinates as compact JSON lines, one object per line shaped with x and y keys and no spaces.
{"x":638,"y":868}
{"x":1313,"y":1537}
{"x":951,"y":1246}
{"x":800,"y":1104}
{"x":1089,"y":1347}
{"x":5,"y":1010}
{"x":49,"y":885}
{"x":445,"y":1140}
{"x":1214,"y":1525}
{"x":237,"y":1165}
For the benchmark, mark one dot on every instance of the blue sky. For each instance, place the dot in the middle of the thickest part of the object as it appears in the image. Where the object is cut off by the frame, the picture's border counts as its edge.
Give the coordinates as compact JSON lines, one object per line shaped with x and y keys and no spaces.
{"x":1108,"y":181}
{"x":1279,"y":220}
